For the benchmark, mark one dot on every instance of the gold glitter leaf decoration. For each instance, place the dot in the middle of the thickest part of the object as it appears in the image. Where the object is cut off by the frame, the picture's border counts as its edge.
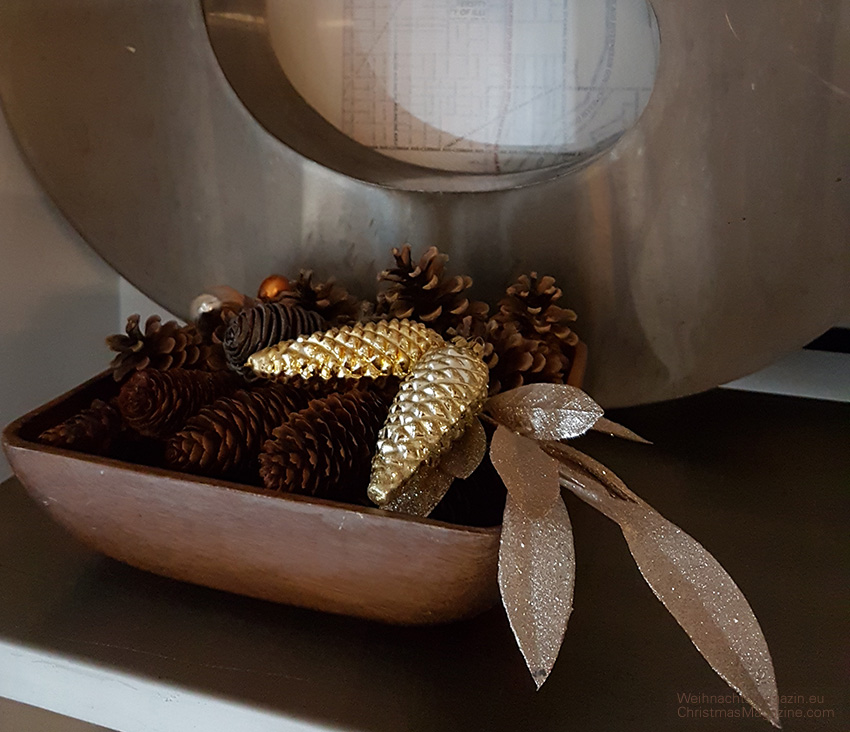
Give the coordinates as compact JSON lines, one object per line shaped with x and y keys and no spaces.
{"x":466,"y":453}
{"x":688,"y":580}
{"x":617,"y":430}
{"x":545,"y":411}
{"x":536,"y":579}
{"x":422,"y":491}
{"x":427,"y":486}
{"x":434,"y":405}
{"x":529,"y":474}
{"x":372,"y":350}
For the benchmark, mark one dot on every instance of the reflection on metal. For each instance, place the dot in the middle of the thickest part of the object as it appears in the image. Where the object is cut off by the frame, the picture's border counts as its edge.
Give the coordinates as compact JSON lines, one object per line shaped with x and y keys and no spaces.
{"x":711,"y":238}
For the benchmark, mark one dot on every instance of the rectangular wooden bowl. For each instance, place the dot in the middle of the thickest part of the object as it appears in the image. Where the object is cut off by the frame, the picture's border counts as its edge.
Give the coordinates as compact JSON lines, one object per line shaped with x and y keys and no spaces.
{"x":300,"y":551}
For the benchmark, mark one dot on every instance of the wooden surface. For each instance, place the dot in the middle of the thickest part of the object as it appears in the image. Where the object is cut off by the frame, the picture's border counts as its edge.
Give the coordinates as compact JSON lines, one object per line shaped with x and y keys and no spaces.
{"x":290,"y":549}
{"x":761,"y":481}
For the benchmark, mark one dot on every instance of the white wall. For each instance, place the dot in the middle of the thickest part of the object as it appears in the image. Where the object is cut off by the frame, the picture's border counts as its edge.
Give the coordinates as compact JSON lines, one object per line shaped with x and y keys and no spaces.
{"x":58,"y":300}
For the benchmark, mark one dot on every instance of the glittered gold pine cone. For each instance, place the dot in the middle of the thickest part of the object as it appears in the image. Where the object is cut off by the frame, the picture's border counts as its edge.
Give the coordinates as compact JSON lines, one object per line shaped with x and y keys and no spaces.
{"x":515,"y":359}
{"x":329,"y":299}
{"x":225,"y":437}
{"x":434,"y":405}
{"x":158,"y":403}
{"x":422,"y":291}
{"x":264,"y":325}
{"x":92,"y":430}
{"x":162,"y":346}
{"x":371,"y":350}
{"x":326,"y":449}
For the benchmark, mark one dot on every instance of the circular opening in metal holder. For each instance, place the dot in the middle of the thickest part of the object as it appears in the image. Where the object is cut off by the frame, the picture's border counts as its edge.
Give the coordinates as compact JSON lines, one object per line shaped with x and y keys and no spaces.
{"x":444,"y":95}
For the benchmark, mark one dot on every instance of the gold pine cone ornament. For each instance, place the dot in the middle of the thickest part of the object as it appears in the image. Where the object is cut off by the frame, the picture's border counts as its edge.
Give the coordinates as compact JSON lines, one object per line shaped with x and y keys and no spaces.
{"x":435,"y":404}
{"x":371,"y":350}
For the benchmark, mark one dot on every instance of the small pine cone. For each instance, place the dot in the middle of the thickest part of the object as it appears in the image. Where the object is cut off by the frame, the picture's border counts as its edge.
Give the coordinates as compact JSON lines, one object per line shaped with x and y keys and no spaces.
{"x":435,"y":403}
{"x":226,"y":437}
{"x":371,"y":350}
{"x":157,"y":403}
{"x":92,"y":430}
{"x":265,"y":325}
{"x":422,"y":292}
{"x":329,"y":299}
{"x":162,"y":346}
{"x":530,"y":303}
{"x":326,"y":449}
{"x":515,"y":359}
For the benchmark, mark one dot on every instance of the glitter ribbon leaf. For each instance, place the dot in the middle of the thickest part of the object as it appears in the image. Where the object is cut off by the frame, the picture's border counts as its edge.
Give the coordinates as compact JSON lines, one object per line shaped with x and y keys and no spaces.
{"x":613,"y":429}
{"x":422,"y":491}
{"x":466,"y":453}
{"x":536,"y":578}
{"x":536,"y":557}
{"x":430,"y":483}
{"x":530,"y":475}
{"x":689,"y":581}
{"x":545,"y":411}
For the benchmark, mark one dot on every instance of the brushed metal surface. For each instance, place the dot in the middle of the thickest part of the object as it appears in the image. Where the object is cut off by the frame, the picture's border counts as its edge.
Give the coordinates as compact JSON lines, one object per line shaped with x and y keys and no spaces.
{"x":710,"y":239}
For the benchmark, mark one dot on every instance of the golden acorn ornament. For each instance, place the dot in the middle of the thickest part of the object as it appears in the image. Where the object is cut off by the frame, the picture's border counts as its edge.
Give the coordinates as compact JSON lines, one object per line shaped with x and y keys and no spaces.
{"x":371,"y":350}
{"x":434,"y":405}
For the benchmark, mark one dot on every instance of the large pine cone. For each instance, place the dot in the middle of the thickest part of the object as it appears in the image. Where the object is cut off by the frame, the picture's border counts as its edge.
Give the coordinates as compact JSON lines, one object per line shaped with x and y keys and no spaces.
{"x":423,"y":292}
{"x":326,"y":449}
{"x":157,"y":403}
{"x":93,"y":430}
{"x":329,"y":299}
{"x":265,"y":325}
{"x":162,"y":346}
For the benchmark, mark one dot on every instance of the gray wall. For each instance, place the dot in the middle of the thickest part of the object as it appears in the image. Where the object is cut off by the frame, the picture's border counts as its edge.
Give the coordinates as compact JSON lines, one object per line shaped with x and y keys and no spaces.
{"x":58,"y":300}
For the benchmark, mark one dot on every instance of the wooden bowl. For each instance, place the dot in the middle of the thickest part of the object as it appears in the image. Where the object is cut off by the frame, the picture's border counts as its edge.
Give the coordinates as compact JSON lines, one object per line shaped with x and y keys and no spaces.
{"x":290,"y":549}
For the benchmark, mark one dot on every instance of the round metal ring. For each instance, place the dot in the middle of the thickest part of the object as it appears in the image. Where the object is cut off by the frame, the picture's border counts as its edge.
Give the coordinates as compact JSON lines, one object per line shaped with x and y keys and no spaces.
{"x":711,"y":238}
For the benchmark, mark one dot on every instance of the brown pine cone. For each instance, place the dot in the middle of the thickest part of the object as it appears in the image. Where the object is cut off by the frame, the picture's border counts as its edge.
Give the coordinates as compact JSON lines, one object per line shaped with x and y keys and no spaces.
{"x":530,"y":303}
{"x":213,"y":315}
{"x":329,"y":299}
{"x":326,"y":449}
{"x":265,"y":325}
{"x":530,"y":339}
{"x":157,"y":403}
{"x":515,"y":359}
{"x":226,"y":437}
{"x":162,"y":346}
{"x":423,"y":292}
{"x":92,"y":430}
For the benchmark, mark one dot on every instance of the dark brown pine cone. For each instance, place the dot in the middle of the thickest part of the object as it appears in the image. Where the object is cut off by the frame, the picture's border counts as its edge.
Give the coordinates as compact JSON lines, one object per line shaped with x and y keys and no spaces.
{"x":226,"y":437}
{"x":326,"y":449}
{"x":423,"y":292}
{"x":265,"y":325}
{"x":329,"y":299}
{"x":158,"y":403}
{"x":162,"y":346}
{"x":93,"y":430}
{"x":212,"y":316}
